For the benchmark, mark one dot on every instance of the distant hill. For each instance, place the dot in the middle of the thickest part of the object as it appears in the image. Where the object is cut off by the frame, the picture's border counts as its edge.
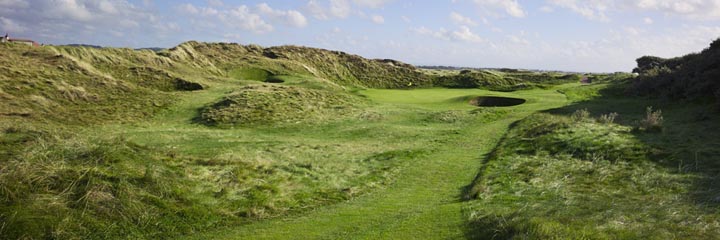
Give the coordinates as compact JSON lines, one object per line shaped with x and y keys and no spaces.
{"x":154,"y":49}
{"x":82,"y":45}
{"x":694,"y":76}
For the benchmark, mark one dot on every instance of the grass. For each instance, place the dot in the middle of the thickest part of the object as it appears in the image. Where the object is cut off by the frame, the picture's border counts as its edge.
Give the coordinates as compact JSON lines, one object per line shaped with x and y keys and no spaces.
{"x":558,"y":175}
{"x":260,"y":104}
{"x":398,"y":164}
{"x":415,"y":204}
{"x":250,"y":74}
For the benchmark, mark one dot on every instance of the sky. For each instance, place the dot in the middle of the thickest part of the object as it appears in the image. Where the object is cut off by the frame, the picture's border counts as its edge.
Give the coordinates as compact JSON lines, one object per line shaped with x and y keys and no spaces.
{"x":569,"y":35}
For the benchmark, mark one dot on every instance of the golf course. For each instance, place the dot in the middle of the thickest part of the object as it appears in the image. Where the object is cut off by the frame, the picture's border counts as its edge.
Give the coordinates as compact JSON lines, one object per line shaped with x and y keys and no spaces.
{"x":230,"y":141}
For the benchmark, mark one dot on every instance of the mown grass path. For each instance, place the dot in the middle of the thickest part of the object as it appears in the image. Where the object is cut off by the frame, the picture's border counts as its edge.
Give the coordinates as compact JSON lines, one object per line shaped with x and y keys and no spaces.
{"x":425,"y":200}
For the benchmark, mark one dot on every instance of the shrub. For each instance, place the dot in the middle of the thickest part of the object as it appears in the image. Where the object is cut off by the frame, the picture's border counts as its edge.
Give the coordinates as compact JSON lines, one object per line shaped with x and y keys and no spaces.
{"x":652,"y":122}
{"x":580,"y":115}
{"x":608,"y":118}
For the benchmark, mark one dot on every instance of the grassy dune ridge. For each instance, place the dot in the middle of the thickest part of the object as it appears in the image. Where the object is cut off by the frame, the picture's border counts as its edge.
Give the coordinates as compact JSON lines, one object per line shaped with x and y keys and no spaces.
{"x":106,"y":143}
{"x":220,"y":140}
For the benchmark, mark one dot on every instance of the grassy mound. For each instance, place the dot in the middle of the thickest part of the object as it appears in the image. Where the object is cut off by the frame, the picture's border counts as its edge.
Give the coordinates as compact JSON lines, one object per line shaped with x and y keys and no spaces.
{"x":260,"y":104}
{"x":556,"y":178}
{"x":478,"y":79}
{"x":62,"y":186}
{"x":503,"y":81}
{"x":41,"y":84}
{"x":569,"y":175}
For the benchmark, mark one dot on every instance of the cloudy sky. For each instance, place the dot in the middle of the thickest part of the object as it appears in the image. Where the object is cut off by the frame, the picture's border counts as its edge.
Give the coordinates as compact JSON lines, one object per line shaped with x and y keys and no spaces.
{"x":575,"y":35}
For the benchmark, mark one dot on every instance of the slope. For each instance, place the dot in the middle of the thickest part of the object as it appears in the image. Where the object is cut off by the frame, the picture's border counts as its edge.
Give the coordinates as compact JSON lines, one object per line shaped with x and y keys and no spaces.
{"x":424,"y":201}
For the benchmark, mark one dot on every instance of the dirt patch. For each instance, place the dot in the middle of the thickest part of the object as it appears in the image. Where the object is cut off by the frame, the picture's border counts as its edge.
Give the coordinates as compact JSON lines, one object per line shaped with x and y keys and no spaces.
{"x":496,"y":101}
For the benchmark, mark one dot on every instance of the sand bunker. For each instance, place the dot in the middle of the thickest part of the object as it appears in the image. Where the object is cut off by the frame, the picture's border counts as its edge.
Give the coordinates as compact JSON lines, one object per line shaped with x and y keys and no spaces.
{"x":496,"y":101}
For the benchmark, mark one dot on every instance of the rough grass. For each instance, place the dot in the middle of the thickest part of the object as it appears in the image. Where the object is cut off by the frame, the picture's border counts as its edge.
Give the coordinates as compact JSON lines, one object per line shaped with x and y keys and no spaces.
{"x":37,"y":84}
{"x":95,"y":143}
{"x":260,"y":104}
{"x":60,"y":185}
{"x":501,"y":81}
{"x":558,"y":178}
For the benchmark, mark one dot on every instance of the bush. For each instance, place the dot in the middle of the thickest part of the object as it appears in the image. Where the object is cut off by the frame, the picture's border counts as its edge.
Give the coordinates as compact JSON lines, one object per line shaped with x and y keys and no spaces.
{"x":652,"y":122}
{"x":608,"y":118}
{"x":580,"y":115}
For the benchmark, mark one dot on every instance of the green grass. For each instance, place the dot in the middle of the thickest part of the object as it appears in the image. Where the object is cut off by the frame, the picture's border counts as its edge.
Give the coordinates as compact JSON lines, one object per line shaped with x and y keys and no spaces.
{"x":98,"y":143}
{"x":554,"y":176}
{"x":249,"y":73}
{"x":423,"y":200}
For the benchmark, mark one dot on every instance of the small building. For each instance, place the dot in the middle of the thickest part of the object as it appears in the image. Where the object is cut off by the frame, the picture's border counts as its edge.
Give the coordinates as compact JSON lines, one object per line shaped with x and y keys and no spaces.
{"x":24,"y":41}
{"x":21,"y":41}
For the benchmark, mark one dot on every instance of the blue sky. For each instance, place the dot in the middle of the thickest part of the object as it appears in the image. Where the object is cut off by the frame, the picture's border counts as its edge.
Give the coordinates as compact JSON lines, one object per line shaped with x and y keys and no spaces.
{"x":573,"y":35}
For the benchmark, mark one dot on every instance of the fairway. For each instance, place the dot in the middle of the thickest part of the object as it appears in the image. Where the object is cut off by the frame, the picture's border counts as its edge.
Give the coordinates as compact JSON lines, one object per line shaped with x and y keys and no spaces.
{"x":359,"y":119}
{"x":424,"y":201}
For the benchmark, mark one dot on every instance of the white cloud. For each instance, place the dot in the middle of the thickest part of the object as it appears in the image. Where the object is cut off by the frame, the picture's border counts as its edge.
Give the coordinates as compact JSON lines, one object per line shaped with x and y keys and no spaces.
{"x":243,"y":18}
{"x":316,"y":10}
{"x":440,"y":34}
{"x":599,"y":9}
{"x":463,"y":34}
{"x":461,"y":20}
{"x":546,"y":9}
{"x":378,"y":19}
{"x":335,"y":9}
{"x":68,"y":9}
{"x":648,"y":20}
{"x":594,"y":10}
{"x":511,"y":7}
{"x":188,"y":8}
{"x":406,"y":19}
{"x":696,"y":9}
{"x":340,"y":8}
{"x":289,"y":17}
{"x":371,"y":3}
{"x":239,"y":17}
{"x":518,"y":40}
{"x":295,"y":18}
{"x":83,"y":21}
{"x":216,"y":3}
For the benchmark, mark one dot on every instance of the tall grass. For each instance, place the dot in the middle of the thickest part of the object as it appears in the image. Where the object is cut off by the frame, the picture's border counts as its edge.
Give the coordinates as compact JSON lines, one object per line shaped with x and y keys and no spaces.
{"x":652,"y":122}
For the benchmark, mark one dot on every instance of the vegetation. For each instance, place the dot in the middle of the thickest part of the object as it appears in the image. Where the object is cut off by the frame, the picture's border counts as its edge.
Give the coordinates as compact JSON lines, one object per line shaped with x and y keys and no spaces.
{"x":269,"y":103}
{"x":566,"y":174}
{"x":218,"y":140}
{"x":693,"y":76}
{"x":503,"y":81}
